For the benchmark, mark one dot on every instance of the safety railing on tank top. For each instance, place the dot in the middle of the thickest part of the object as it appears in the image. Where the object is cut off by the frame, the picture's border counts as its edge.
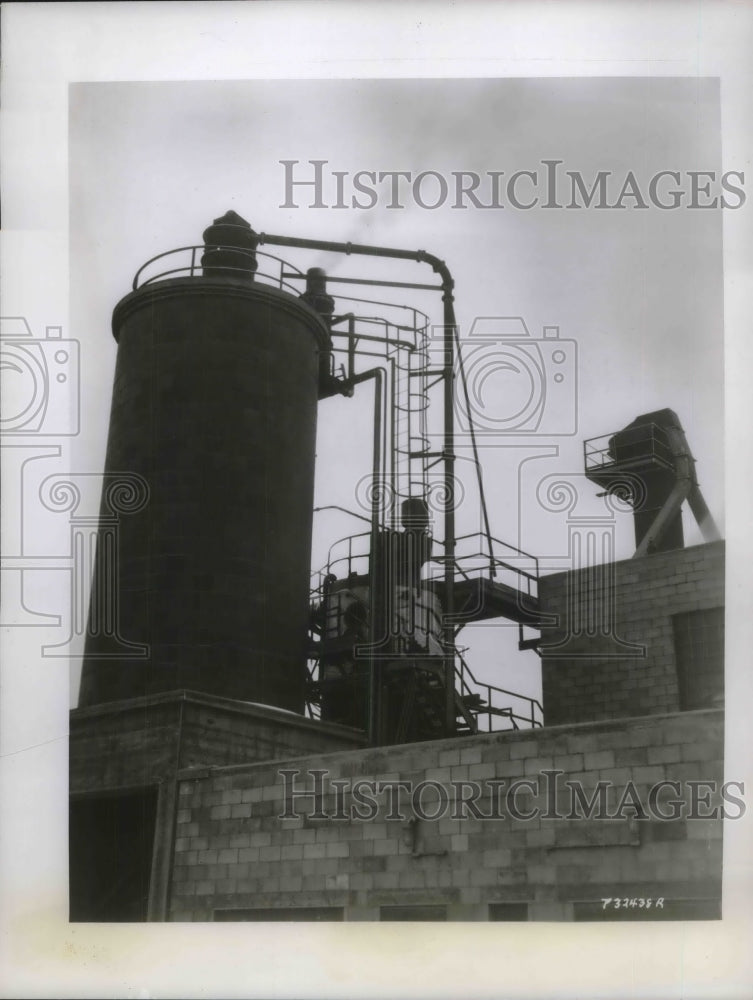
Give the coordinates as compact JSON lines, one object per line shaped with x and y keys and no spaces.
{"x":348,"y":557}
{"x":186,"y":262}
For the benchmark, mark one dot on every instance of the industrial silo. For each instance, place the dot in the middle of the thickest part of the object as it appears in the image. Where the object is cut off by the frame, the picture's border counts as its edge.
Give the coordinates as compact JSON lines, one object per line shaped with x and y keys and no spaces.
{"x":214,"y":405}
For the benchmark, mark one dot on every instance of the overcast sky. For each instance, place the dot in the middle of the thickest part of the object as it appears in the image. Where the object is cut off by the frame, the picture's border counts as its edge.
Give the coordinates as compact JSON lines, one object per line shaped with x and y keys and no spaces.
{"x":636,"y":293}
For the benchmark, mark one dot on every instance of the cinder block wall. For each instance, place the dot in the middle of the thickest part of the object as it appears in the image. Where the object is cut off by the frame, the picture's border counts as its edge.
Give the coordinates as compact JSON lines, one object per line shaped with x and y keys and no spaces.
{"x":234,"y":852}
{"x":627,"y":666}
{"x":144,"y":741}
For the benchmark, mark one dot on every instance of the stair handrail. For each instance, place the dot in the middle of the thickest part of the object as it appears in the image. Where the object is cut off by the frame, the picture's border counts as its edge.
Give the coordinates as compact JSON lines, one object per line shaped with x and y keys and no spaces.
{"x":465,"y":671}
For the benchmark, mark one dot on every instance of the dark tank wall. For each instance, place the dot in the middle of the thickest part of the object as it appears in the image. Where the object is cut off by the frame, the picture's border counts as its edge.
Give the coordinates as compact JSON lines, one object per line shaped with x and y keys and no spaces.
{"x":214,"y":404}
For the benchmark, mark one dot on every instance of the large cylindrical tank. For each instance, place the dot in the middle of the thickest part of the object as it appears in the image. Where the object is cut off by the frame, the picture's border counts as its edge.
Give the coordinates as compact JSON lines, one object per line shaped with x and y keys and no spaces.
{"x":214,"y":404}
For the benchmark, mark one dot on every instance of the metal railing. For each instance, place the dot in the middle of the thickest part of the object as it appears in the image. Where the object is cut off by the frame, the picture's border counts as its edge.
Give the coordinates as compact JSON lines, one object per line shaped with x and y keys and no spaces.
{"x":643,"y":443}
{"x":475,"y":561}
{"x":486,"y":702}
{"x":496,"y":704}
{"x":399,"y":339}
{"x":313,"y":708}
{"x":469,"y":565}
{"x":186,"y":262}
{"x":354,"y":558}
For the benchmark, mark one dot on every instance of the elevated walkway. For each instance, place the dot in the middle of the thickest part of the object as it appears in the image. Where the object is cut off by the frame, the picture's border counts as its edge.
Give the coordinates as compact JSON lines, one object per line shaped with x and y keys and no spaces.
{"x":482,"y":599}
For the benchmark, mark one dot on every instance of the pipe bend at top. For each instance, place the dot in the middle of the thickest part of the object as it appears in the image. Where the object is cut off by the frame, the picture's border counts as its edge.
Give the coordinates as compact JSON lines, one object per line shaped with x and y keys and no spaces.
{"x":396,"y":253}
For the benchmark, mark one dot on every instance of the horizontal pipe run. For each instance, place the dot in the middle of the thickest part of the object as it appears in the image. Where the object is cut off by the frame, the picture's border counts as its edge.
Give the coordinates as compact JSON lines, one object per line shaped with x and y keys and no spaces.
{"x":420,"y":256}
{"x":373,"y":281}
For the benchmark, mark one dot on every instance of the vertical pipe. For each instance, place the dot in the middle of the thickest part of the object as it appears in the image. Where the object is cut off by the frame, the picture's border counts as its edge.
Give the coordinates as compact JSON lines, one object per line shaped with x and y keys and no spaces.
{"x":375,"y":570}
{"x":449,"y":512}
{"x":351,"y":345}
{"x":375,"y":680}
